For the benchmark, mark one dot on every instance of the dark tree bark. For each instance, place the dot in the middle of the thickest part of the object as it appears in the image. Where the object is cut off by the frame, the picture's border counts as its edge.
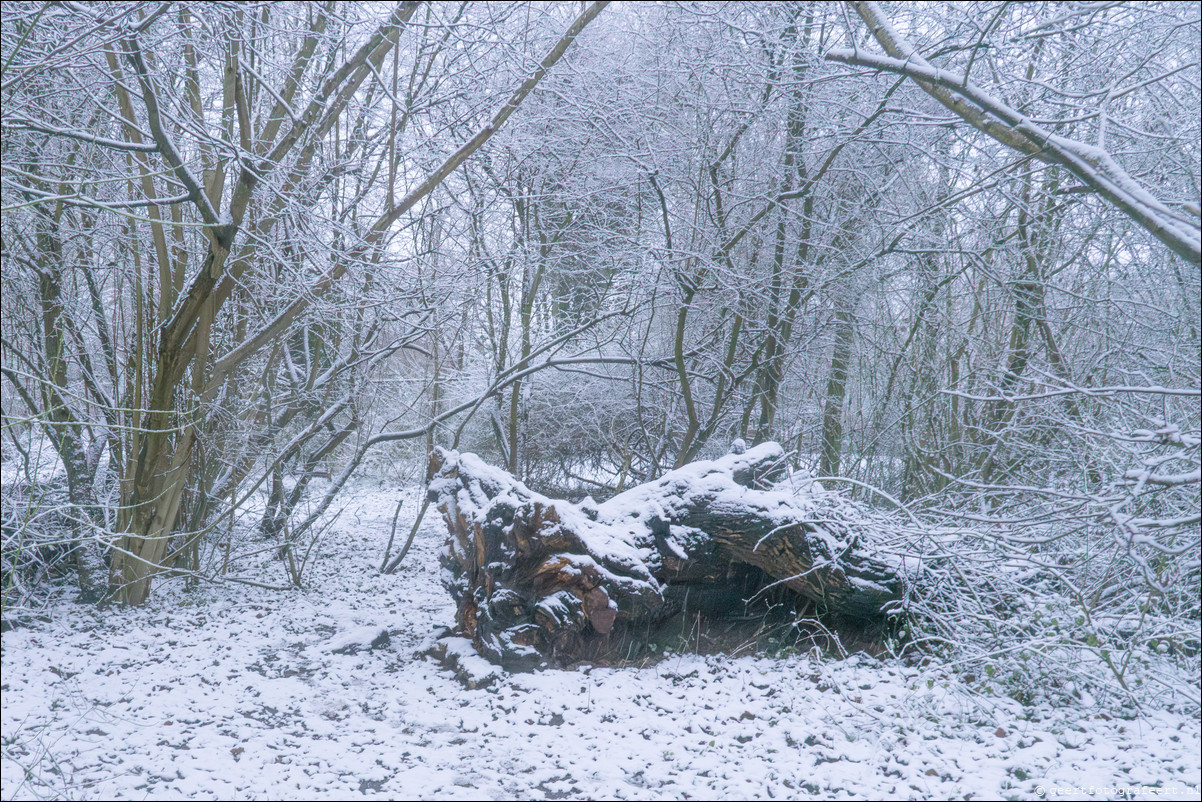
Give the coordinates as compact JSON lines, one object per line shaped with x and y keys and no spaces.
{"x":538,"y":579}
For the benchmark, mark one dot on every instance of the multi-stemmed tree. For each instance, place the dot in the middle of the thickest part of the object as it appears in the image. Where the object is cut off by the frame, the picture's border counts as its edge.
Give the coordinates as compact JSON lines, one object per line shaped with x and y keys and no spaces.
{"x":206,"y":208}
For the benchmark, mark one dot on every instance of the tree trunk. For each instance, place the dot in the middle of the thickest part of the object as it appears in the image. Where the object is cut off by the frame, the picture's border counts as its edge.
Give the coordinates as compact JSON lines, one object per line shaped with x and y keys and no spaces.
{"x":538,"y":580}
{"x":836,"y":390}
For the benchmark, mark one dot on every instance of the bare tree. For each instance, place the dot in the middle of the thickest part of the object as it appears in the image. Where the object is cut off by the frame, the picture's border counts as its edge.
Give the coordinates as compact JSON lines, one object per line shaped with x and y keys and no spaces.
{"x":1092,"y":164}
{"x":232,"y":203}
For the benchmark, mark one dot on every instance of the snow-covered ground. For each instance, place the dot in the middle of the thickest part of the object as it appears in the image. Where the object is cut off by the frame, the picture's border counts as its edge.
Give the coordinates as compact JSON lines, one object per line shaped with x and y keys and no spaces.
{"x":238,"y":692}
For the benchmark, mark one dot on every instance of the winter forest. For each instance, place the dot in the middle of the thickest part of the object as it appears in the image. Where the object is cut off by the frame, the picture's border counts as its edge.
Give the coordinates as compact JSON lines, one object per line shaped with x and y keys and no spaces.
{"x":733,"y":400}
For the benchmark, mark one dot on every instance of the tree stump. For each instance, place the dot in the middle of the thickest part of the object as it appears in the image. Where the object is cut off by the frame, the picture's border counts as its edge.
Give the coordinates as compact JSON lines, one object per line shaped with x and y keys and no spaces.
{"x":541,"y":580}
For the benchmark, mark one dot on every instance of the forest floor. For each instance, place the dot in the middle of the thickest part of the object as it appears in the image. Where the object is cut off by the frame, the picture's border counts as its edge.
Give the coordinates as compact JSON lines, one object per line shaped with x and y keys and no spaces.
{"x":239,"y":692}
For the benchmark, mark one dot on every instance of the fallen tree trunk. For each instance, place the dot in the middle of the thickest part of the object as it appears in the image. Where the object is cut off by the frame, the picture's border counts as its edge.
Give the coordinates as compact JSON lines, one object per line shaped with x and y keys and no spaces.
{"x":538,"y":579}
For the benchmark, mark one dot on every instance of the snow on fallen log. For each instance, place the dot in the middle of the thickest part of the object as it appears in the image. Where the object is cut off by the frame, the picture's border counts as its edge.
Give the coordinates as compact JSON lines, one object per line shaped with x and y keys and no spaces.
{"x":537,"y":579}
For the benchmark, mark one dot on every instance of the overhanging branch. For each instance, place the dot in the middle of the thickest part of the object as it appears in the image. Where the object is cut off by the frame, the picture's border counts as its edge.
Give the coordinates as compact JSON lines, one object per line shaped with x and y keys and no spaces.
{"x":1093,"y":166}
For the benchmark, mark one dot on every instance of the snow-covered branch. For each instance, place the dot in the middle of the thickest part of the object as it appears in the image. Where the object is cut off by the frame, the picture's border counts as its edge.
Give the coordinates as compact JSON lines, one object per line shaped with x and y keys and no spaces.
{"x":1093,"y":166}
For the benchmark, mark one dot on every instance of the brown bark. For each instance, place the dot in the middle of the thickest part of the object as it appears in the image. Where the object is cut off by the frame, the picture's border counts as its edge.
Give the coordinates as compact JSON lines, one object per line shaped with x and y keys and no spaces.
{"x":537,"y":579}
{"x":159,"y":471}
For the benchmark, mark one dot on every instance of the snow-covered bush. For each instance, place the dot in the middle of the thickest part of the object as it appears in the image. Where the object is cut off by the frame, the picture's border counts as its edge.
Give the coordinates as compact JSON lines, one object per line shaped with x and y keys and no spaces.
{"x":1088,"y":585}
{"x":37,"y":543}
